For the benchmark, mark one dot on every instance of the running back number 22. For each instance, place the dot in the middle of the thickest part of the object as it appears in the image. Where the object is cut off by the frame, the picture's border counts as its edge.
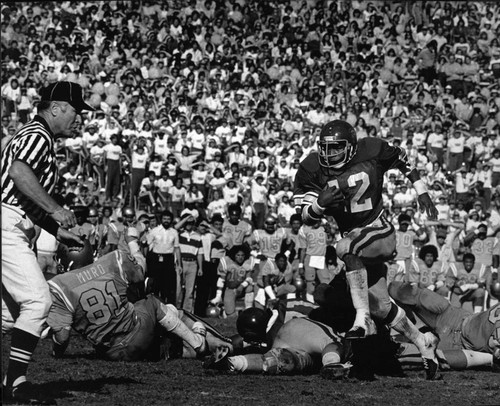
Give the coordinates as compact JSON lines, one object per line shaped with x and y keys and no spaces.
{"x":360,"y":181}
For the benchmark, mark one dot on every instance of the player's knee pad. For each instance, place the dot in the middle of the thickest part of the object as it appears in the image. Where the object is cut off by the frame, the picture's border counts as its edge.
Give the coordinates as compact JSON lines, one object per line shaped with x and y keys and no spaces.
{"x":279,"y":361}
{"x":343,"y":247}
{"x":170,"y":319}
{"x":352,"y":262}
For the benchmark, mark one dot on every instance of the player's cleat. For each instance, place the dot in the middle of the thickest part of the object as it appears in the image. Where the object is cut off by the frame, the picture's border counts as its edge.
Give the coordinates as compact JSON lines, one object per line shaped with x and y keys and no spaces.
{"x":431,"y":368}
{"x":335,"y":372}
{"x":25,"y":393}
{"x":496,"y":360}
{"x":219,"y":360}
{"x":359,"y":332}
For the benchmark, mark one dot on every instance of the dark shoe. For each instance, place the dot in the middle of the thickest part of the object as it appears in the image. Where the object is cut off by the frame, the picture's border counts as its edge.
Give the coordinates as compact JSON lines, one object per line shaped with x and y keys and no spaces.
{"x":496,"y":360}
{"x":359,"y":332}
{"x":335,"y":372}
{"x":26,"y":393}
{"x":219,"y":360}
{"x":431,"y":368}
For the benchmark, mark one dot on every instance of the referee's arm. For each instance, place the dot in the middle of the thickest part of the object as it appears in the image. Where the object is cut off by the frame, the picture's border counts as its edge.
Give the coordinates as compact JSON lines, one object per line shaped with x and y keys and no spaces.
{"x":28,"y":184}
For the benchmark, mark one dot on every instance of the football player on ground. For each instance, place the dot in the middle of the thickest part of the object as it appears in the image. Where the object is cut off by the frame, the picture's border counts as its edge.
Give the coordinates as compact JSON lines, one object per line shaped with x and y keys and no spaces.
{"x":466,"y":340}
{"x":92,"y":299}
{"x":345,"y":179}
{"x":296,"y":349}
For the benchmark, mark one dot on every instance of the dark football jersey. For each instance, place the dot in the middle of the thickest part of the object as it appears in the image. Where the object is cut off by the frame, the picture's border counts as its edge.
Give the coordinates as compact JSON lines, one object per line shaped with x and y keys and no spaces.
{"x":360,"y":181}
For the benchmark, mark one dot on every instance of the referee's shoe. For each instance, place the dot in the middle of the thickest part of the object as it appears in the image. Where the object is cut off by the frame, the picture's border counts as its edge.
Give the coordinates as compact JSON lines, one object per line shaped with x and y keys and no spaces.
{"x":27,"y":394}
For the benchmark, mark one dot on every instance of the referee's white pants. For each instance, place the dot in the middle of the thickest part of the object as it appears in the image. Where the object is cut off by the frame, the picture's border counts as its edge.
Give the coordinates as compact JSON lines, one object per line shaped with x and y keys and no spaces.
{"x":25,"y":292}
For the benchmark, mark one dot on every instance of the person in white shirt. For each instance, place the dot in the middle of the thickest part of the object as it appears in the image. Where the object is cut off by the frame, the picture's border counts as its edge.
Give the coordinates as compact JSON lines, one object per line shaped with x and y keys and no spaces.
{"x":113,"y":153}
{"x":217,"y":206}
{"x":456,"y":145}
{"x":258,"y":195}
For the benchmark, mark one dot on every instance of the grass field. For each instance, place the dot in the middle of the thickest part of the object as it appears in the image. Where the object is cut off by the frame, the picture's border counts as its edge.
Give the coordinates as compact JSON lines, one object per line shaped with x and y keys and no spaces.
{"x":81,"y":379}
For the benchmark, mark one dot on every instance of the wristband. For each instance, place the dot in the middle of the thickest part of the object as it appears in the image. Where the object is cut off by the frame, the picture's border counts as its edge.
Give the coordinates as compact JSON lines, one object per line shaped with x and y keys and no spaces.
{"x":269,"y":290}
{"x":317,"y":209}
{"x":287,"y":253}
{"x":301,"y":265}
{"x":420,"y":187}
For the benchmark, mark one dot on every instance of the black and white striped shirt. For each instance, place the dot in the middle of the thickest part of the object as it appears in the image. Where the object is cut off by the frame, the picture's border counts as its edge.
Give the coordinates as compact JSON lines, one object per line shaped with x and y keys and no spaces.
{"x":33,"y":144}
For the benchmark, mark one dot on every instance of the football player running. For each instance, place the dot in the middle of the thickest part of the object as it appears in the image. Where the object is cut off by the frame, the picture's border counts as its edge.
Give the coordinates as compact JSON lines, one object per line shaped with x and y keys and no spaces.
{"x":344,"y":179}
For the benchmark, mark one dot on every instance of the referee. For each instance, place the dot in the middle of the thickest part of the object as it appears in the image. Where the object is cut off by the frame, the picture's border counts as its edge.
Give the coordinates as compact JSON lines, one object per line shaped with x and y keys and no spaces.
{"x":29,"y":176}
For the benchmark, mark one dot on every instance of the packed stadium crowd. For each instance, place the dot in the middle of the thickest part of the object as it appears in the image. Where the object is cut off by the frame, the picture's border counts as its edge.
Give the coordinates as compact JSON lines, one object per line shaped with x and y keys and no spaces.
{"x":206,"y":109}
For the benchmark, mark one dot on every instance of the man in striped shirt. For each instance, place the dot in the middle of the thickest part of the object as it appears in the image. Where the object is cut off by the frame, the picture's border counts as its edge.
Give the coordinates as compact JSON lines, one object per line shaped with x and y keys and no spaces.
{"x":192,"y":261}
{"x":29,"y":177}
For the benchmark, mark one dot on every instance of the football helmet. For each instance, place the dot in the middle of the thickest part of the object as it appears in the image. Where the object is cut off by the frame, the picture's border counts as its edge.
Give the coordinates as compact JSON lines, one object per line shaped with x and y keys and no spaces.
{"x":270,"y":224}
{"x":299,"y":283}
{"x":93,"y":212}
{"x":252,"y":325}
{"x":495,"y":289}
{"x":213,"y":311}
{"x":74,"y":257}
{"x":337,"y":144}
{"x":128,"y":212}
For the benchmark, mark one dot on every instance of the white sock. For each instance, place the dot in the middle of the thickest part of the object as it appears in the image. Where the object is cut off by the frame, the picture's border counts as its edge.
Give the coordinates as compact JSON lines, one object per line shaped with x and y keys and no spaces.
{"x":358,"y":285}
{"x":172,"y":323}
{"x":330,"y":358}
{"x":238,"y":363}
{"x":478,"y":309}
{"x":478,"y":359}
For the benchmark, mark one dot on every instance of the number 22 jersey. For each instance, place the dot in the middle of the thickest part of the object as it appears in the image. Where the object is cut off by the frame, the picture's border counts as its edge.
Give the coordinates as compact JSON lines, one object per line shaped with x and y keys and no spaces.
{"x":360,"y":181}
{"x":93,"y":299}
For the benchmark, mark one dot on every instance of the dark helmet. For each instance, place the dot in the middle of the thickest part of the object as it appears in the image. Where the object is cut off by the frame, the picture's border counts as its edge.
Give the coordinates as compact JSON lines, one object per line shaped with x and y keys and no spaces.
{"x":270,"y":224}
{"x":495,"y":289}
{"x":213,"y":311}
{"x":404,"y":219}
{"x":234,"y":209}
{"x":73,"y":257}
{"x":337,"y":144}
{"x":128,"y":212}
{"x":93,"y":212}
{"x":299,"y":283}
{"x":252,"y":324}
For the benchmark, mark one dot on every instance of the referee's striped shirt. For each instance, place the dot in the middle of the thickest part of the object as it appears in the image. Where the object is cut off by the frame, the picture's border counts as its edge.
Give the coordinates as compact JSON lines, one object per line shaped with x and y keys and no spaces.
{"x":33,"y":144}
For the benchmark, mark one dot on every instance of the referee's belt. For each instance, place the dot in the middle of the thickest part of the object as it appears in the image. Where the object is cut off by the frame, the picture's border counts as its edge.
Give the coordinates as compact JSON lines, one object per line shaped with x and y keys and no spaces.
{"x":162,"y":255}
{"x":188,"y":259}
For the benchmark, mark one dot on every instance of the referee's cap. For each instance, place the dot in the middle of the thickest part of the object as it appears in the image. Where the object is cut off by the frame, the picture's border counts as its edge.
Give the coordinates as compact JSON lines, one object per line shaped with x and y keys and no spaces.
{"x":69,"y":92}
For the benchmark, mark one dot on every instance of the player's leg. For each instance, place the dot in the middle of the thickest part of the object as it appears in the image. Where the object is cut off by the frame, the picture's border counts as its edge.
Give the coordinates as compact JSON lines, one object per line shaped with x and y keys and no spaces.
{"x":477,"y":299}
{"x":395,"y":317}
{"x":372,"y":244}
{"x":168,"y":317}
{"x":310,"y":277}
{"x":26,"y":285}
{"x":249,"y":296}
{"x":427,"y":305}
{"x":230,"y":302}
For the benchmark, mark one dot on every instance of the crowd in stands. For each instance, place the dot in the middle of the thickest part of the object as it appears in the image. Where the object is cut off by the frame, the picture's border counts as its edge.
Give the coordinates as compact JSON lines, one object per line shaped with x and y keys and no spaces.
{"x":201,"y":104}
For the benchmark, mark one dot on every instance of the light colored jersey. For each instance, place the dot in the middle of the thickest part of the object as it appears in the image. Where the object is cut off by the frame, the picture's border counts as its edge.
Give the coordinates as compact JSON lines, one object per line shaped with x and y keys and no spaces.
{"x":236,"y":234}
{"x":93,"y":299}
{"x":269,"y":244}
{"x":313,"y":239}
{"x":233,"y":273}
{"x":425,"y":276}
{"x":483,"y":250}
{"x":275,"y":276}
{"x":404,"y":244}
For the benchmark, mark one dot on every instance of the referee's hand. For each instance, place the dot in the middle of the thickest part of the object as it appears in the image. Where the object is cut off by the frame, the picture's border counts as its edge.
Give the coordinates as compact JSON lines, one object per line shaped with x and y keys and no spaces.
{"x":66,"y":218}
{"x":69,"y":238}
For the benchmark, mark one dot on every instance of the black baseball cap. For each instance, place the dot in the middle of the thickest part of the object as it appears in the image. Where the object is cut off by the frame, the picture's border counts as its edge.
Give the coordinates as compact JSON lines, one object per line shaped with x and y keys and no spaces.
{"x":69,"y":92}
